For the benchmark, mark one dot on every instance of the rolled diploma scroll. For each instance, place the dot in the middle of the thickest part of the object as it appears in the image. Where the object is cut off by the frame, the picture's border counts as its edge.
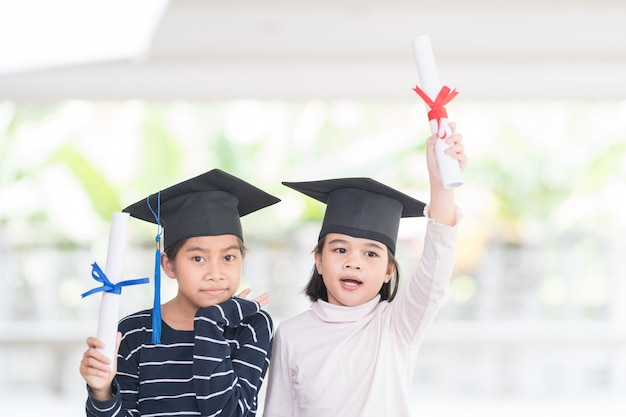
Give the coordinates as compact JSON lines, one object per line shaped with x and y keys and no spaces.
{"x":110,"y":304}
{"x":429,"y":79}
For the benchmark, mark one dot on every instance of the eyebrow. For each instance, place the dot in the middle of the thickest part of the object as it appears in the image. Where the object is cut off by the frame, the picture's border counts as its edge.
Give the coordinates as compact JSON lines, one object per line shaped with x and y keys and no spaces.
{"x":369,"y":244}
{"x":201,"y":249}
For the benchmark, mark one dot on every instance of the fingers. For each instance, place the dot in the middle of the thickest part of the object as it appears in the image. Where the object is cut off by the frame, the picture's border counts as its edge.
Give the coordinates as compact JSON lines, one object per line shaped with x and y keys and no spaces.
{"x":244,"y":293}
{"x":93,"y":357}
{"x":93,"y":342}
{"x":263,"y":299}
{"x":430,"y":142}
{"x":95,"y":366}
{"x":91,"y":365}
{"x":456,"y":149}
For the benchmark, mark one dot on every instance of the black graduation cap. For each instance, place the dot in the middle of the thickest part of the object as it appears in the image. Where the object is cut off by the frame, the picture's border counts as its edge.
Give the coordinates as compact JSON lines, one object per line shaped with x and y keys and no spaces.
{"x":361,"y":207}
{"x":207,"y":205}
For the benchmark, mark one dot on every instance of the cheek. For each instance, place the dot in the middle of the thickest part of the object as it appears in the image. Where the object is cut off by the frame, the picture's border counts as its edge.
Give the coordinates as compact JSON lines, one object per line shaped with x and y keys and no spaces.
{"x":236,"y":269}
{"x":328,"y":283}
{"x":383,"y":271}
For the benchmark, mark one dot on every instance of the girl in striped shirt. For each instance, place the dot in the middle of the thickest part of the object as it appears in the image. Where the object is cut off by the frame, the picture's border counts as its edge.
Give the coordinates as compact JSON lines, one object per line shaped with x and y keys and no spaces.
{"x":204,"y":352}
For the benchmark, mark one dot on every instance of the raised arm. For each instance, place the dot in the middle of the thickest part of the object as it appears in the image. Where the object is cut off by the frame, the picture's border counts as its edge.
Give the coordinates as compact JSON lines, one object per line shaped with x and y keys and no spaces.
{"x":415,"y":308}
{"x":442,"y":205}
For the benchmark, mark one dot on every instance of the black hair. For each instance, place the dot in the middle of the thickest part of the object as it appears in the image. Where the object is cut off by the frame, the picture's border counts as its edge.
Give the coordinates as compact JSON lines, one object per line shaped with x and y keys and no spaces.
{"x":316,"y":290}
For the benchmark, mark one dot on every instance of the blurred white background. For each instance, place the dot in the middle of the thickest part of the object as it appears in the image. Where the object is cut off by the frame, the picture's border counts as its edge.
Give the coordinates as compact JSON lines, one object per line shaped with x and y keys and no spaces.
{"x":103,"y":102}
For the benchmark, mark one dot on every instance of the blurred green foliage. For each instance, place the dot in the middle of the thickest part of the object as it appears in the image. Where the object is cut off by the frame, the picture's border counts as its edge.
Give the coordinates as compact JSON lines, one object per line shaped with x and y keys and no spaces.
{"x":524,"y":175}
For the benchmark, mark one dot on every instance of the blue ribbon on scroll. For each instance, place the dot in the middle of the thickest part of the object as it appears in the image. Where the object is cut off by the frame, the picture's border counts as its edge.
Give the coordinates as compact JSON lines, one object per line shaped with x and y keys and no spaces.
{"x":108,"y":286}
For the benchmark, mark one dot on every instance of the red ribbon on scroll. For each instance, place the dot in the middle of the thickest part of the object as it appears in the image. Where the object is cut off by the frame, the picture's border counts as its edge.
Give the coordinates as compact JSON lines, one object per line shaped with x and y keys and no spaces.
{"x":437,"y":107}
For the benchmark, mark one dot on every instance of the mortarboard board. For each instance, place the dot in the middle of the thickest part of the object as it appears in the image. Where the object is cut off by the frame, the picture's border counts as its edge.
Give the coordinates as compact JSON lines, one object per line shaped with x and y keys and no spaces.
{"x":207,"y":205}
{"x":361,"y":207}
{"x":210,"y":204}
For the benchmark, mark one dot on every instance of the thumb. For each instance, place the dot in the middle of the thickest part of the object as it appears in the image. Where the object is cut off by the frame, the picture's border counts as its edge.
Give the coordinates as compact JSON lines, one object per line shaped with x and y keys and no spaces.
{"x":117,"y":348}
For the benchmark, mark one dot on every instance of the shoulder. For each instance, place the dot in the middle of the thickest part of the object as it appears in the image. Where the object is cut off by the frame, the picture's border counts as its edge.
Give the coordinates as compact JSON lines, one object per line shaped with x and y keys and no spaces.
{"x":136,"y":329}
{"x":141,"y":320}
{"x":297,"y":323}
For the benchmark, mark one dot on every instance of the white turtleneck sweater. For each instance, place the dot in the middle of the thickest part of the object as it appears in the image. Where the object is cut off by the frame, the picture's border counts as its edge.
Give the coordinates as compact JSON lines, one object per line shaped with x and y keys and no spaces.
{"x":359,"y":361}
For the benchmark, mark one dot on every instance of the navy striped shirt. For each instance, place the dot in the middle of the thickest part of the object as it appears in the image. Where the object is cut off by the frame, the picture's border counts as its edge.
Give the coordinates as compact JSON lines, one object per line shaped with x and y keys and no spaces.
{"x":215,"y":370}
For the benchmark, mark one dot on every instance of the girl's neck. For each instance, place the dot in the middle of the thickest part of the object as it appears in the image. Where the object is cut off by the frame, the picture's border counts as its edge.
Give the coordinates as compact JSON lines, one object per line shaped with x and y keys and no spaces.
{"x":177,"y":315}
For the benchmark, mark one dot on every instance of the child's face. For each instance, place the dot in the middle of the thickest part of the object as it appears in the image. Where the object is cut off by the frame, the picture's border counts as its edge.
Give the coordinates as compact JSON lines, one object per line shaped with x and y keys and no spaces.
{"x":207,"y":268}
{"x":353,"y":269}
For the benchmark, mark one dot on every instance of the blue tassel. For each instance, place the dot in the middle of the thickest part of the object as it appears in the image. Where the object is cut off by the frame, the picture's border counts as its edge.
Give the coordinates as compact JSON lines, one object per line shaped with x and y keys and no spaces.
{"x":156,"y":308}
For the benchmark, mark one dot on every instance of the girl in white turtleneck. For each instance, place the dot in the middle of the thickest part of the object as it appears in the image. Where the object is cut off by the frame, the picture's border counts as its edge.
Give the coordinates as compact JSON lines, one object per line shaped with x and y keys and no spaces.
{"x":353,"y":352}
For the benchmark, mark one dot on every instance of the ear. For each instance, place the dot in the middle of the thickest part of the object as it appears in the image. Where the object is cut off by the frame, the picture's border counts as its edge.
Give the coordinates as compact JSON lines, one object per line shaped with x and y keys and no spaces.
{"x":168,"y":266}
{"x":391,"y":269}
{"x":318,"y":263}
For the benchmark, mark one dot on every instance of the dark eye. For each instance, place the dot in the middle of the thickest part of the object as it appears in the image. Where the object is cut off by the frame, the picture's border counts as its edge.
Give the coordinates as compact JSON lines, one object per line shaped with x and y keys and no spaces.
{"x":229,"y":258}
{"x":371,"y":254}
{"x":197,"y":259}
{"x":339,"y":250}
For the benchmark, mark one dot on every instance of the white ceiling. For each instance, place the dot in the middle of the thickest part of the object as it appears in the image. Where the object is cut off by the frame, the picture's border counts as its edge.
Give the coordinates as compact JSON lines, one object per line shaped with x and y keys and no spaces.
{"x":306,"y":49}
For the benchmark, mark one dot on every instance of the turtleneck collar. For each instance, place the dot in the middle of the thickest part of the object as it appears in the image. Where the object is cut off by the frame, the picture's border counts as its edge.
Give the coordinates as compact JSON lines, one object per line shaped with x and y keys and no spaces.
{"x":333,"y":313}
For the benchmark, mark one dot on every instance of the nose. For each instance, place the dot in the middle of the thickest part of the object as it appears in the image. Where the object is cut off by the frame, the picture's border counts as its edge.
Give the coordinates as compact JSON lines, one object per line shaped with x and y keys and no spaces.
{"x":213,"y":272}
{"x":352,"y":263}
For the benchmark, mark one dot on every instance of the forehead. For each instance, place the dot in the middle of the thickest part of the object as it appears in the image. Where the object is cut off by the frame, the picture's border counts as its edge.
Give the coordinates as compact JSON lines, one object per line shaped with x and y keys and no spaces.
{"x":209,"y":243}
{"x":336,"y":238}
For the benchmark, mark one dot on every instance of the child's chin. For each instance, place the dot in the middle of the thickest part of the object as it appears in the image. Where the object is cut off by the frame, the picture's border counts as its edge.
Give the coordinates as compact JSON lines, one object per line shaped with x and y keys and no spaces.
{"x":218,"y":300}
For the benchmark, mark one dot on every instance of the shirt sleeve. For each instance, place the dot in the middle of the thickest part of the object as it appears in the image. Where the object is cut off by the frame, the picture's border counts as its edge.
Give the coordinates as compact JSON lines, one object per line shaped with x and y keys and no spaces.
{"x":228,"y":373}
{"x":279,"y":398}
{"x":415,"y":307}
